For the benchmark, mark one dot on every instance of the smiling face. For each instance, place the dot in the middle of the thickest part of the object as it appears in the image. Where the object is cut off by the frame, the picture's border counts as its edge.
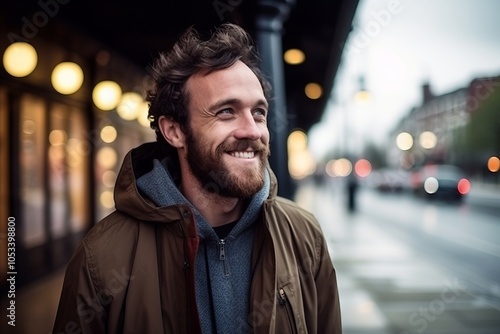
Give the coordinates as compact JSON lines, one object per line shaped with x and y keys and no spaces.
{"x":227,"y":142}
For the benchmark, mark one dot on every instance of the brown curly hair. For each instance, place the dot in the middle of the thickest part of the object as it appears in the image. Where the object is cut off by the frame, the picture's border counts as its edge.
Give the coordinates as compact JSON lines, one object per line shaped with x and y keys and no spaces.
{"x":190,"y":55}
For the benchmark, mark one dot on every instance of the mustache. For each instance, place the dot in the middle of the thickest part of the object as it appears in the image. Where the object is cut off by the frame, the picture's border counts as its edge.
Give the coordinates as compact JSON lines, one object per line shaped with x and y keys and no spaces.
{"x":243,"y":145}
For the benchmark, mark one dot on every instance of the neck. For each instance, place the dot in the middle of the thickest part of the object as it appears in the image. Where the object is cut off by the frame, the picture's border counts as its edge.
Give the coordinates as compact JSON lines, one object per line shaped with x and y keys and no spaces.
{"x":216,"y":209}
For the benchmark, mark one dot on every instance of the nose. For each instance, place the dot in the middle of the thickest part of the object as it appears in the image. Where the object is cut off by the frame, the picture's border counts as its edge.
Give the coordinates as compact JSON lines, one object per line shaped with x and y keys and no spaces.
{"x":248,"y":128}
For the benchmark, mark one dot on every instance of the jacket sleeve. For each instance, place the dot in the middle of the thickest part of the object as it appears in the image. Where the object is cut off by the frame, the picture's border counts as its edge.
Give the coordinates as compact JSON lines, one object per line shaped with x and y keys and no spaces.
{"x":80,"y":309}
{"x":329,"y":319}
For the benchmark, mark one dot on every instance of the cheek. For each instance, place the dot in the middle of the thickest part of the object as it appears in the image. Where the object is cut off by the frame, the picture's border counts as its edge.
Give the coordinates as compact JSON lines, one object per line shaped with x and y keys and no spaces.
{"x":265,"y":136}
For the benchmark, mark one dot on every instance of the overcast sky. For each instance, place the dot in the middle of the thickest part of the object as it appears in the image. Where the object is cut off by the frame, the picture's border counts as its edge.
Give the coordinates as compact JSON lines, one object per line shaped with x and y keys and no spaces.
{"x":397,"y":46}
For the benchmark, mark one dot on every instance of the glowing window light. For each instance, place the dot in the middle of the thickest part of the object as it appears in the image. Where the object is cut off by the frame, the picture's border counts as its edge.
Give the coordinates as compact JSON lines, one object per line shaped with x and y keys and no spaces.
{"x":313,"y":91}
{"x":20,"y":59}
{"x":108,"y":134}
{"x":67,"y":78}
{"x":29,"y":127}
{"x":106,"y":157}
{"x":57,"y":137}
{"x":294,"y":57}
{"x":106,"y":95}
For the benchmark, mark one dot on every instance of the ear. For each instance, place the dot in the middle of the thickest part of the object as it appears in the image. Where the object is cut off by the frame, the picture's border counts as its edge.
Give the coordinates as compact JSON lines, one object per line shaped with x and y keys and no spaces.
{"x":171,"y":131}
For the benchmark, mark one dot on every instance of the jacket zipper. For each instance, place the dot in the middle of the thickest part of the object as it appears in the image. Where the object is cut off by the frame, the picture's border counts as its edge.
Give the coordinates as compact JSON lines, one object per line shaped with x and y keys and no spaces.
{"x":222,"y":256}
{"x":283,"y":300}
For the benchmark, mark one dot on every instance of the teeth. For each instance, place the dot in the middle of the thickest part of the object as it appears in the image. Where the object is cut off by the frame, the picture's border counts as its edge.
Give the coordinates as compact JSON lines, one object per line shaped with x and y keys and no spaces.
{"x":244,"y":155}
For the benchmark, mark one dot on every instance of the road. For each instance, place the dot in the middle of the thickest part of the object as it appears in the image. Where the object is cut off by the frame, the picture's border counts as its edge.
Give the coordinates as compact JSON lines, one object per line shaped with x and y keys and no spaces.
{"x":408,"y":265}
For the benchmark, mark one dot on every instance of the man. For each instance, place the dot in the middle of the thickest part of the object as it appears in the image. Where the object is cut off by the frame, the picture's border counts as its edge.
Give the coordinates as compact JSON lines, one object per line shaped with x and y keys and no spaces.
{"x":199,"y":241}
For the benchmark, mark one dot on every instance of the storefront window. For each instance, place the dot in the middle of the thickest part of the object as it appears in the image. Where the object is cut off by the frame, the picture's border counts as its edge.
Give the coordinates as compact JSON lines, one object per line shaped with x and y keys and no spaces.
{"x":32,"y":170}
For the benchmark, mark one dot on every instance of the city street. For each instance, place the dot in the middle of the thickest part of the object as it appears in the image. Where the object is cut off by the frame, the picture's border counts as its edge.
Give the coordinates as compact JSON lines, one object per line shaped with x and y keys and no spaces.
{"x":408,"y":265}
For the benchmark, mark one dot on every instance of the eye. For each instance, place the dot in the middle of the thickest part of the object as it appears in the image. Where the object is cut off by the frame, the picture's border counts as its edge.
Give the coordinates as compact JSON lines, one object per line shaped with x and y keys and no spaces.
{"x":225,"y":113}
{"x":260,"y":113}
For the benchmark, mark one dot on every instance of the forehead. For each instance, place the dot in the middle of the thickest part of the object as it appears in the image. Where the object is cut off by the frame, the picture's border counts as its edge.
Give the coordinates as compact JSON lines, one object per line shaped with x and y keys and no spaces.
{"x":236,"y":81}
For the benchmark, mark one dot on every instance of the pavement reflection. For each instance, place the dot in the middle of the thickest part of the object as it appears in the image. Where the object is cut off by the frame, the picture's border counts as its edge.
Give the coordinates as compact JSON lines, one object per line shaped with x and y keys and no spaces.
{"x":387,"y":286}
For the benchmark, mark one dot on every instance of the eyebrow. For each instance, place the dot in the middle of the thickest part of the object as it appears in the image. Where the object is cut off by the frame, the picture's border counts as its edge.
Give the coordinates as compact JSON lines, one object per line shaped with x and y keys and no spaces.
{"x":234,"y":101}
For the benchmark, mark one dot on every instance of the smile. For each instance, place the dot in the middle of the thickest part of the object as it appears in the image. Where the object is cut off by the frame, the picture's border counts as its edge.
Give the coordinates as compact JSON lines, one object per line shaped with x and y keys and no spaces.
{"x":243,"y":155}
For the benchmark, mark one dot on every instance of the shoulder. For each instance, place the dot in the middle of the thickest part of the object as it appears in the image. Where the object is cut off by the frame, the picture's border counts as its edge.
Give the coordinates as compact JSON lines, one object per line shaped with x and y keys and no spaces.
{"x":114,"y":240}
{"x":290,"y":208}
{"x":285,"y":213}
{"x":114,"y":226}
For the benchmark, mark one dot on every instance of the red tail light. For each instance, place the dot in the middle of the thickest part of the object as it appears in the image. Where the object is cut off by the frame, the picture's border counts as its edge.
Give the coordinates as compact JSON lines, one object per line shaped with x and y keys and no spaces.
{"x":463,"y":186}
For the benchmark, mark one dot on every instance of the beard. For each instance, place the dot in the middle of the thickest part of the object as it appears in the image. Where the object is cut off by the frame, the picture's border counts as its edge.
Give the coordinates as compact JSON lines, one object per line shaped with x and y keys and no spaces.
{"x":216,"y":176}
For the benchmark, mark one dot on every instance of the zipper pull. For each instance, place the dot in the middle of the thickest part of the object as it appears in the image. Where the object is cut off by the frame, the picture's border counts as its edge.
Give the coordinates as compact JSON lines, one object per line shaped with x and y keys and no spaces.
{"x":222,"y":249}
{"x":282,"y":296}
{"x":222,"y":256}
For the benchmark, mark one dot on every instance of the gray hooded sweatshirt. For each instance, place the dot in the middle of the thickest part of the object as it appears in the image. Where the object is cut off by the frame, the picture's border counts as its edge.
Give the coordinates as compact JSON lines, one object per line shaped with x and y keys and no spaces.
{"x":223,"y":266}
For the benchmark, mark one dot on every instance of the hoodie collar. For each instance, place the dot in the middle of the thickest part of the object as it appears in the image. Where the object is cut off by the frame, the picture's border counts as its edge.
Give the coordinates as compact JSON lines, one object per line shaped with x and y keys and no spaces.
{"x":159,"y":186}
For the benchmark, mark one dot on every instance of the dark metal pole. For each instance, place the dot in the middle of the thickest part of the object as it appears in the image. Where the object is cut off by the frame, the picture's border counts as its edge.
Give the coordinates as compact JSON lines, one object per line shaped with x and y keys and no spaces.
{"x":269,"y":24}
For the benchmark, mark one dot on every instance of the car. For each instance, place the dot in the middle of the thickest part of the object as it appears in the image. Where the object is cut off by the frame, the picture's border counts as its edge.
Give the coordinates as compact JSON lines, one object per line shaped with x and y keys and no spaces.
{"x":440,"y":181}
{"x":390,"y":179}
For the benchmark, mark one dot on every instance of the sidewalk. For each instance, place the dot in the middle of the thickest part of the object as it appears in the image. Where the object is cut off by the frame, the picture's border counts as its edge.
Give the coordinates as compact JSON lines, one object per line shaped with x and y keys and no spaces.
{"x":387,"y":288}
{"x":36,"y":306}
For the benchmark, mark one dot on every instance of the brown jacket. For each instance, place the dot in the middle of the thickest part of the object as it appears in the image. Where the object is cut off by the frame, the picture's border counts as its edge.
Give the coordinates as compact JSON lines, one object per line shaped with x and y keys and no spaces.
{"x":134,"y":271}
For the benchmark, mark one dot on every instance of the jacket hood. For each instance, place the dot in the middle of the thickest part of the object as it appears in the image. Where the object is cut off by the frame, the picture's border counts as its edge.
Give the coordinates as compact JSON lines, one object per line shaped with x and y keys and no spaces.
{"x":128,"y":198}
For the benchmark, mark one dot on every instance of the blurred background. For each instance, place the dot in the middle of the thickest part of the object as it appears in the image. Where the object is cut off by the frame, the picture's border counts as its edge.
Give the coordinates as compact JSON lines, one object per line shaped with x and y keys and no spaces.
{"x":385,"y":124}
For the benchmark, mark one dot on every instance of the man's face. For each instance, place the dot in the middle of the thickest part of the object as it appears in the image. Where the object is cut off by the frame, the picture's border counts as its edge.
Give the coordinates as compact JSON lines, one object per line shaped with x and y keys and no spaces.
{"x":228,"y":139}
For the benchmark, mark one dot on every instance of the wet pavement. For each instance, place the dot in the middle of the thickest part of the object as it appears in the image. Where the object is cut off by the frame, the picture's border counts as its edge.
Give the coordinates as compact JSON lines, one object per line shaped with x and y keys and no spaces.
{"x":386,"y":287}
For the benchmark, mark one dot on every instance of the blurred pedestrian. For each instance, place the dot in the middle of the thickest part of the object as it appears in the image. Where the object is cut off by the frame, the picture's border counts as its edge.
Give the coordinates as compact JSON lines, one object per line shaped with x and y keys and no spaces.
{"x":199,"y":241}
{"x":351,"y":188}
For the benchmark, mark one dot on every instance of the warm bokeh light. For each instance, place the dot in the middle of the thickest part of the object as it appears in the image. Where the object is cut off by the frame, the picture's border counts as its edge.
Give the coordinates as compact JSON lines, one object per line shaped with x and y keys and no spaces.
{"x":108,"y":134}
{"x":108,"y":178}
{"x":67,"y":78}
{"x":341,"y":167}
{"x":130,"y":105}
{"x":297,"y":140}
{"x":363,"y":167}
{"x":313,"y":91}
{"x":493,"y":164}
{"x":57,"y":137}
{"x":329,"y":168}
{"x":29,"y":127}
{"x":404,"y":141}
{"x":363,"y":98}
{"x":301,"y":164}
{"x":107,"y":157}
{"x":427,"y":140}
{"x":106,"y":95}
{"x":106,"y":199}
{"x":20,"y":59}
{"x":142,"y":117}
{"x":300,"y":161}
{"x":294,"y":56}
